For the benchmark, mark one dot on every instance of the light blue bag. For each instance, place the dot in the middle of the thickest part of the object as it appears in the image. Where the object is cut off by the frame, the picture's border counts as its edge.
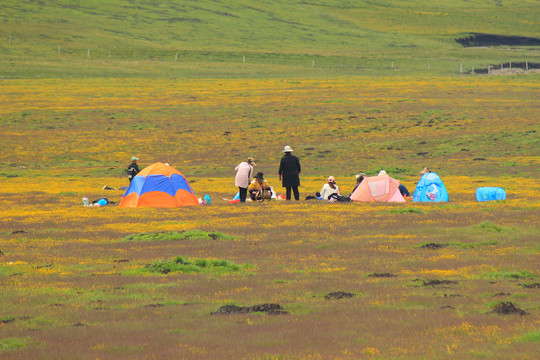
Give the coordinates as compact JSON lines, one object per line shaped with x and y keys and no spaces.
{"x":490,"y":194}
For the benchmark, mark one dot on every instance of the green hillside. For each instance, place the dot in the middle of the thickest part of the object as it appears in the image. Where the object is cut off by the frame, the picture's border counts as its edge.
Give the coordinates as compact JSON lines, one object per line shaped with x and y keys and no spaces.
{"x":264,"y":38}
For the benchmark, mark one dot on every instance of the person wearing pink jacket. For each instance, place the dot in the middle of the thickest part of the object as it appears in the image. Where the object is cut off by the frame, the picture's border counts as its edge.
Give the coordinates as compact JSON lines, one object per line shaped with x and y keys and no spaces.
{"x":244,"y":172}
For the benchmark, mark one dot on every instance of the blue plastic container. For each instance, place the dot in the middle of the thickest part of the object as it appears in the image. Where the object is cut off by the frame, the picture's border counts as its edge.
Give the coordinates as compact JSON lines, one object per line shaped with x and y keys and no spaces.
{"x":490,"y":194}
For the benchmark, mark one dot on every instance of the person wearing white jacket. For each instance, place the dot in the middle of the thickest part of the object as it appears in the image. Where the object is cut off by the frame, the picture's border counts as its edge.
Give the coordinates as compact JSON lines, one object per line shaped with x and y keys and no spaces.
{"x":329,"y":188}
{"x":244,"y":171}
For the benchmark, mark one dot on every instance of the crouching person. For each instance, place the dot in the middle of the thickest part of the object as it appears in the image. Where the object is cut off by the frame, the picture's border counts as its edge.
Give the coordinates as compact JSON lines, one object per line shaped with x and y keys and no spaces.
{"x":259,"y":188}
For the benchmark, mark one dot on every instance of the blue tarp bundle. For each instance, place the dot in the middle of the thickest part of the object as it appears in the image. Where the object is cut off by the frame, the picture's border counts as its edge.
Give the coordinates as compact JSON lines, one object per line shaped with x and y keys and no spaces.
{"x":490,"y":193}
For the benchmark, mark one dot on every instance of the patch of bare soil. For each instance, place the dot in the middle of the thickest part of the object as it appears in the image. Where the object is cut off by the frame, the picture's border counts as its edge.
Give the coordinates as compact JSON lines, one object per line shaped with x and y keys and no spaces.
{"x":338,"y":295}
{"x":480,"y":39}
{"x":439,"y":282}
{"x":271,"y":309}
{"x":531,"y":286}
{"x":452,"y":295}
{"x":18,"y":232}
{"x":507,"y":308}
{"x":434,"y":246}
{"x":153,"y":306}
{"x":382,"y":275}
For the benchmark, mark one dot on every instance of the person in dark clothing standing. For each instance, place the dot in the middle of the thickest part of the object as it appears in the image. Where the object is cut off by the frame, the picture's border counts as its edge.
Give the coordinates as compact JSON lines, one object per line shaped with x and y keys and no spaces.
{"x":289,"y":171}
{"x":133,"y":168}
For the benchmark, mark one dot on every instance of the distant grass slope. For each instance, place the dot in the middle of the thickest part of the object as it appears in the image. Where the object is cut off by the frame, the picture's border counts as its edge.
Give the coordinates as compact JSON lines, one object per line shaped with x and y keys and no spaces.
{"x":211,"y":38}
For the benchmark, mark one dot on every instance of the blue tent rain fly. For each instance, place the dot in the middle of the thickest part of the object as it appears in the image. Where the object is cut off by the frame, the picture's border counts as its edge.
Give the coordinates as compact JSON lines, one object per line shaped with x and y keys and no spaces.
{"x":430,"y":188}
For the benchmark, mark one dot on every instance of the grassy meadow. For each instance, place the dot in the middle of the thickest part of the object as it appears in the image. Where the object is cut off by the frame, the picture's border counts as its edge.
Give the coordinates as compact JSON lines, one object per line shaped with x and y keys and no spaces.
{"x":352,"y":86}
{"x":78,"y":282}
{"x":238,"y":39}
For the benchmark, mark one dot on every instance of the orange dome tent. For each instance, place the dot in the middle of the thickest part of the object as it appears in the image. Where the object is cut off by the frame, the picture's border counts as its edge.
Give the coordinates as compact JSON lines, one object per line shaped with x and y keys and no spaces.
{"x":378,"y":188}
{"x":159,"y":185}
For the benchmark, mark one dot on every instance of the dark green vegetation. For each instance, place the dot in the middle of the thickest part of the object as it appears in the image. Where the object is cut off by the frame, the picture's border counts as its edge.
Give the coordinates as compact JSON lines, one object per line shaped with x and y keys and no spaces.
{"x":277,"y":38}
{"x":185,"y":265}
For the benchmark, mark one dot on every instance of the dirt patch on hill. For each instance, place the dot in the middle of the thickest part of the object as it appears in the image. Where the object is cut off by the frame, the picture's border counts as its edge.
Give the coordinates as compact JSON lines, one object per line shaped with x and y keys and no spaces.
{"x":18,"y":232}
{"x":382,"y":275}
{"x":153,"y":306}
{"x":433,"y":246}
{"x":9,"y":320}
{"x":480,"y":39}
{"x":338,"y":295}
{"x":271,"y":309}
{"x":507,"y":308}
{"x":439,"y":282}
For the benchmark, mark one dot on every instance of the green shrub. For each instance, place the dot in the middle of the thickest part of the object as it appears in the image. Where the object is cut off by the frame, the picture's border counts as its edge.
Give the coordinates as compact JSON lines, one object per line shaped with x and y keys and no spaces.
{"x":519,"y":274}
{"x":533,"y":336}
{"x":489,"y":226}
{"x":184,"y":265}
{"x":474,"y":245}
{"x":13,"y":343}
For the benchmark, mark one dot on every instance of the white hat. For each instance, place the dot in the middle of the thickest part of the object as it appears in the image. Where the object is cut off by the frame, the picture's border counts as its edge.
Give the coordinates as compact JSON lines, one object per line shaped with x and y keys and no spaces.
{"x":382,"y":172}
{"x":287,"y":149}
{"x":134,"y":158}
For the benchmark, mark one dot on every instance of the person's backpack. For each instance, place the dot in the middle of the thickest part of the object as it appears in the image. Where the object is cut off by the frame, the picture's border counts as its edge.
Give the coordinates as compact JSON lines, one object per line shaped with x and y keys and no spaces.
{"x":333,"y":197}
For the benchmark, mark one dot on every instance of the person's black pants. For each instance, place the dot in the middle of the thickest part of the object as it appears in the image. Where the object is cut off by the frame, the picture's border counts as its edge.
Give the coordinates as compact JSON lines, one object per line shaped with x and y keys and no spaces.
{"x":295,"y":190}
{"x":243,"y":194}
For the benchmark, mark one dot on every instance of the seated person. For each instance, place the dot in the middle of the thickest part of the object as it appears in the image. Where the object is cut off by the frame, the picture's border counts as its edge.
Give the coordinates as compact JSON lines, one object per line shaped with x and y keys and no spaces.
{"x":329,"y":188}
{"x":403,"y":190}
{"x":359,"y":178}
{"x":259,"y":188}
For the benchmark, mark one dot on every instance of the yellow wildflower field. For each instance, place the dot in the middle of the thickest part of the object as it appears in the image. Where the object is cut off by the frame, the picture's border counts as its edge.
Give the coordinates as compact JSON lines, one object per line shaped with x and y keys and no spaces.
{"x":349,"y":280}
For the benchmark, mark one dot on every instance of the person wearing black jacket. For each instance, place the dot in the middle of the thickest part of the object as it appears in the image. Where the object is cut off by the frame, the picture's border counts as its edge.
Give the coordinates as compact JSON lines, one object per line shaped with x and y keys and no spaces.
{"x":133,"y":169}
{"x":289,"y":173}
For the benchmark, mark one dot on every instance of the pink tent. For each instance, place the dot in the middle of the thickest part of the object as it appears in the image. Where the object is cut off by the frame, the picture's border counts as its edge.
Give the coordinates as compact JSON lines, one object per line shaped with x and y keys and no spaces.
{"x":378,"y":188}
